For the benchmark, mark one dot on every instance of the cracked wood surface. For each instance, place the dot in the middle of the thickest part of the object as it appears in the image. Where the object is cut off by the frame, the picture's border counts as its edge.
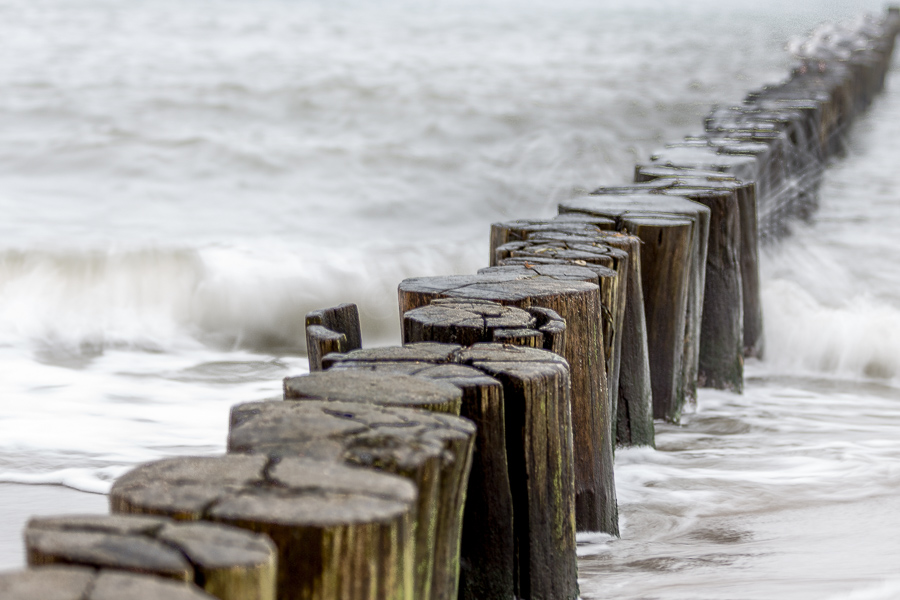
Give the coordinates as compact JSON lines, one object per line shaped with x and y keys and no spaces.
{"x":83,"y":583}
{"x":228,"y":563}
{"x":340,"y":531}
{"x":430,"y":449}
{"x":572,"y":292}
{"x":622,"y":205}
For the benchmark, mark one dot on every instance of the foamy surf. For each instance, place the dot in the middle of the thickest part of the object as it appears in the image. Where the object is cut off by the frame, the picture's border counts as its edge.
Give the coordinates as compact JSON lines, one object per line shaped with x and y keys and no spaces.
{"x":161,"y":300}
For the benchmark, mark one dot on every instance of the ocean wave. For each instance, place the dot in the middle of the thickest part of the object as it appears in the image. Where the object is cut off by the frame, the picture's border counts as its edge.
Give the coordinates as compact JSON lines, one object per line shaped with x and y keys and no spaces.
{"x":157,"y":299}
{"x":858,"y":338}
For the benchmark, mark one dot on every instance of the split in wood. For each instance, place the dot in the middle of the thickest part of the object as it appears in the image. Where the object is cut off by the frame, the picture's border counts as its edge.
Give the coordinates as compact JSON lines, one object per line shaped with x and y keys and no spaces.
{"x":341,"y":532}
{"x":673,"y":368}
{"x":228,"y":563}
{"x":499,"y":561}
{"x":432,"y":450}
{"x":83,"y":583}
{"x":334,"y":329}
{"x":574,"y":294}
{"x":467,"y":322}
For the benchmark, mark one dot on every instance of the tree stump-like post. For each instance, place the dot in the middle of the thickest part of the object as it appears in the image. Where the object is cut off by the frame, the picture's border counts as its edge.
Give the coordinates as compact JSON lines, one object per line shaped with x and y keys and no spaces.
{"x":83,"y":583}
{"x":721,"y":363}
{"x":668,"y":404}
{"x":665,"y":261}
{"x":341,"y":532}
{"x":467,"y":322}
{"x":487,"y":552}
{"x":578,"y":302}
{"x":514,"y":231}
{"x":334,"y":329}
{"x":226,"y":562}
{"x":652,"y":204}
{"x":483,"y":536}
{"x":586,"y":254}
{"x":542,"y":479}
{"x":754,"y":342}
{"x":634,"y":410}
{"x":593,"y":507}
{"x":430,"y":449}
{"x":398,"y":391}
{"x":421,"y":352}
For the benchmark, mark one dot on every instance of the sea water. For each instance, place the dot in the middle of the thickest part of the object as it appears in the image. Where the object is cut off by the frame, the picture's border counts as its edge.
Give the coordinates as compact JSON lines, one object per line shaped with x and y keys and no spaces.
{"x":180,"y":182}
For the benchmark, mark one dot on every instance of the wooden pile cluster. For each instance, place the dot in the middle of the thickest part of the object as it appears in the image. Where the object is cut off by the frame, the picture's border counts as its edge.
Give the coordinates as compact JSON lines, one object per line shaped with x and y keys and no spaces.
{"x":462,"y":463}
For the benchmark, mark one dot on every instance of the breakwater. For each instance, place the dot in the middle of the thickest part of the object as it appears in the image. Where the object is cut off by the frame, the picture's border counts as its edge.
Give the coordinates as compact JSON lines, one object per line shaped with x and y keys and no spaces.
{"x":556,"y":277}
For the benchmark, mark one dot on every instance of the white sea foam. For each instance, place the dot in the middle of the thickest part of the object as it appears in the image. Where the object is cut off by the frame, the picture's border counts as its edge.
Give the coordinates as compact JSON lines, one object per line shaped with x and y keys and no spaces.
{"x":181,"y":183}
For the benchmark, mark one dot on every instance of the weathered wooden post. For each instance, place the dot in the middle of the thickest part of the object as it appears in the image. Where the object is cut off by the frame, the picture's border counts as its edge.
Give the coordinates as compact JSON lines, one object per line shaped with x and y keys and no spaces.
{"x":334,"y":329}
{"x":487,"y":552}
{"x":578,"y":302}
{"x":437,"y":538}
{"x":634,"y":410}
{"x":666,"y":264}
{"x":645,"y":199}
{"x":514,"y":231}
{"x":540,"y":472}
{"x":227,"y":562}
{"x":398,"y":391}
{"x":721,"y":363}
{"x":536,"y":392}
{"x":341,"y":532}
{"x":721,"y":345}
{"x":668,"y":401}
{"x":432,"y":450}
{"x":749,"y":248}
{"x":609,"y":266}
{"x":83,"y":583}
{"x":467,"y":322}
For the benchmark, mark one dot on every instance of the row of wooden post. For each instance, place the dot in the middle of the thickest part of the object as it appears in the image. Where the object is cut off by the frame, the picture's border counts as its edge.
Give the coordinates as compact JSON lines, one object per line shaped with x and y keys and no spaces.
{"x":462,"y":463}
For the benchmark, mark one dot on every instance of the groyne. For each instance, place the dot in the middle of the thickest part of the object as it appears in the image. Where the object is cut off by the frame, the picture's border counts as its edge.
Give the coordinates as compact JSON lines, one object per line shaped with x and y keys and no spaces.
{"x":462,"y":463}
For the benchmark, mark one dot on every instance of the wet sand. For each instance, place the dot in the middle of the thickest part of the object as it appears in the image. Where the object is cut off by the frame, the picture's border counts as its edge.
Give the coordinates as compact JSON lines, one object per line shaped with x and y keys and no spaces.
{"x":20,"y":502}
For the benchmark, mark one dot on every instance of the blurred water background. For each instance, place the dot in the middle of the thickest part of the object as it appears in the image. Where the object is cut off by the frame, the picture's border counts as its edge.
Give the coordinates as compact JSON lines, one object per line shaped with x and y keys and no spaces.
{"x":180,"y":182}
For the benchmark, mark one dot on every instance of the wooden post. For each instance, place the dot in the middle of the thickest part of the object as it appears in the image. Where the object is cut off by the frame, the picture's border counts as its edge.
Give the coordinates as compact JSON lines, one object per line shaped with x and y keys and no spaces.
{"x":620,"y":207}
{"x":467,"y":322}
{"x":397,"y":390}
{"x":423,"y":352}
{"x":652,"y":205}
{"x":487,"y":553}
{"x":749,"y":247}
{"x":590,"y":255}
{"x":542,"y":479}
{"x":545,"y":563}
{"x":83,"y":583}
{"x":578,"y":302}
{"x":514,"y":231}
{"x":341,"y":532}
{"x":722,"y":329}
{"x":430,"y":449}
{"x":333,"y":329}
{"x":228,"y":563}
{"x":377,"y":388}
{"x":666,"y":263}
{"x":634,"y":410}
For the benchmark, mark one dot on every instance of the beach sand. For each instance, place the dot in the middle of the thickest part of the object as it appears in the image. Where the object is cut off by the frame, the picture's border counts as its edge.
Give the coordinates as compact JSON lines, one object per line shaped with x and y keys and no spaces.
{"x":18,"y":503}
